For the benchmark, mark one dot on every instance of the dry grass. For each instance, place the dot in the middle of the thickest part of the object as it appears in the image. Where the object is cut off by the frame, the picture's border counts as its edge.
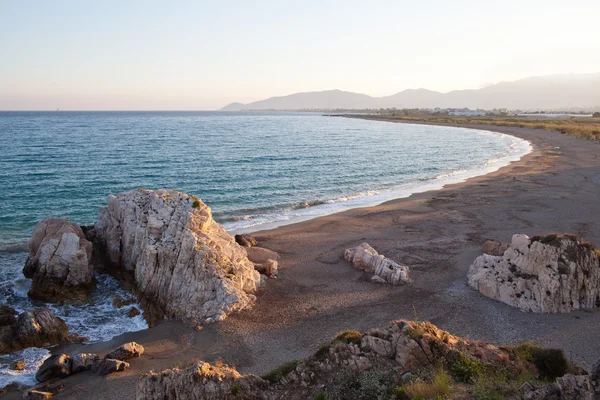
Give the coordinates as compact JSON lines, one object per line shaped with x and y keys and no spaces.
{"x":587,"y":128}
{"x":439,"y":387}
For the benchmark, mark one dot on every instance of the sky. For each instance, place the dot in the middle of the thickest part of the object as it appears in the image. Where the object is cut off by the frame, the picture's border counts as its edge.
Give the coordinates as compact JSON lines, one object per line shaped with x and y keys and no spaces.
{"x":202,"y":55}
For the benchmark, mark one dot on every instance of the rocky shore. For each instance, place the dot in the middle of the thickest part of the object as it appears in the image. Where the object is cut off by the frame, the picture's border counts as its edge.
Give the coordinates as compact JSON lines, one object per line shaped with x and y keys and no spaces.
{"x":434,"y":236}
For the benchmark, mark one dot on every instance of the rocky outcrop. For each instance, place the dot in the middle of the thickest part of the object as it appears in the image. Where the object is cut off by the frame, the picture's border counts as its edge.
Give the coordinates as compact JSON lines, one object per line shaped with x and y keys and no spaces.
{"x":384,"y":270}
{"x":182,"y":262}
{"x":59,"y":261}
{"x":201,"y":381}
{"x":542,"y":274}
{"x":568,"y":387}
{"x":63,"y":365}
{"x":35,"y":328}
{"x":401,"y":348}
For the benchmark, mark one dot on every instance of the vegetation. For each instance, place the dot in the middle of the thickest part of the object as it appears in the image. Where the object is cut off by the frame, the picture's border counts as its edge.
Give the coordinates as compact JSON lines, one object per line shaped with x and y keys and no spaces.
{"x":320,"y":396}
{"x":439,"y":387}
{"x":279,"y":372}
{"x":348,"y":337}
{"x":196,"y":203}
{"x":588,"y":128}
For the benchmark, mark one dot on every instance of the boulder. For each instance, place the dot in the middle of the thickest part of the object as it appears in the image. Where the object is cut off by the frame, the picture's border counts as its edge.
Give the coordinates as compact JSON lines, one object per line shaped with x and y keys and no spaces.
{"x":83,"y":362}
{"x":543,"y":274}
{"x":181,"y":261}
{"x":126,"y":351}
{"x":59,"y":261}
{"x":494,"y":248}
{"x":246,"y":240}
{"x":119,"y":301}
{"x":35,"y":328}
{"x":366,"y":258}
{"x":109,"y":365}
{"x":568,"y":387}
{"x":56,"y":366}
{"x":260,"y":255}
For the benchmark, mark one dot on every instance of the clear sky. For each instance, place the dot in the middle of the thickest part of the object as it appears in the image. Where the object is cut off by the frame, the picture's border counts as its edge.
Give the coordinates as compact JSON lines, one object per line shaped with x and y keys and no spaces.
{"x":185,"y":55}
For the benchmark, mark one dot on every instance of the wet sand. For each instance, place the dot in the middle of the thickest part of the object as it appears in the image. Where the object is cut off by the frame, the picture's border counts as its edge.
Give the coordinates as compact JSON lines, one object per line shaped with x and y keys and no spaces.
{"x":437,"y":234}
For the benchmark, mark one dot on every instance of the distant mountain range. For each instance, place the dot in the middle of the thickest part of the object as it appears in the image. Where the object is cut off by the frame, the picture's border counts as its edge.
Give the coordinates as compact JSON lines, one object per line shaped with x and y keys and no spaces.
{"x":536,"y":93}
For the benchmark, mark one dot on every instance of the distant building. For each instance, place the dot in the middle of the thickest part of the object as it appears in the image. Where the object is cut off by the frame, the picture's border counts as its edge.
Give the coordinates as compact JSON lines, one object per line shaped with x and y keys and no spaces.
{"x":465,"y":112}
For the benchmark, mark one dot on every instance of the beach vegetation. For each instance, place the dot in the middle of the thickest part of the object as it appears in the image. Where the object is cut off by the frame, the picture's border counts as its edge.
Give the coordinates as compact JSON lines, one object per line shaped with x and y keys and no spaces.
{"x":280,"y":372}
{"x":587,"y":128}
{"x":348,"y":336}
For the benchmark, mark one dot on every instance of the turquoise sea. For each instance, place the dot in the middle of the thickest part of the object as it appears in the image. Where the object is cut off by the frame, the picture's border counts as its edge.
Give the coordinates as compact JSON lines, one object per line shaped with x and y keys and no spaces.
{"x":255,"y":170}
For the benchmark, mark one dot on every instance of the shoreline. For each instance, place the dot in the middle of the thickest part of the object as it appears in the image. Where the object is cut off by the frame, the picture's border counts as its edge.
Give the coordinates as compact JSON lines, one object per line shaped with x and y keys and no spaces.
{"x":437,"y":233}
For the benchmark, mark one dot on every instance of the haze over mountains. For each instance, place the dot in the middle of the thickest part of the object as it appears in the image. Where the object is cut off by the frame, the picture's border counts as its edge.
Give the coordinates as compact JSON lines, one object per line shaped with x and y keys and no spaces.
{"x":534,"y":93}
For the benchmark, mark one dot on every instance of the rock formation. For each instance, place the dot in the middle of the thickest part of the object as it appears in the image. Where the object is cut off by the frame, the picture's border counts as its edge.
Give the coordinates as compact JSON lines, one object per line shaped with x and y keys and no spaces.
{"x":63,"y":365}
{"x":260,"y":255}
{"x":34,"y":328}
{"x":59,"y":261}
{"x":182,"y":262}
{"x":567,"y":387}
{"x":542,"y":274}
{"x":342,"y":368}
{"x":384,"y":270}
{"x":494,"y":248}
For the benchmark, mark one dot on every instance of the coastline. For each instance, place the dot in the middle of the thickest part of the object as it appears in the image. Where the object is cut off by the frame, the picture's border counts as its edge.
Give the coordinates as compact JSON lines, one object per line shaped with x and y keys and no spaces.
{"x":437,"y":233}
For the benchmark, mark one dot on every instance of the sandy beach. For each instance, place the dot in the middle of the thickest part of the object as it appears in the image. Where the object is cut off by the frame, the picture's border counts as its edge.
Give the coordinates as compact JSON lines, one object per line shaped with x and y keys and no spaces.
{"x":437,"y":234}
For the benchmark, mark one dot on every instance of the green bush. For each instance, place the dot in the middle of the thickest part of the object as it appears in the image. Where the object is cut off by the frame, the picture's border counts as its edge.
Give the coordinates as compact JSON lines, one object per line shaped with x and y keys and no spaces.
{"x":551,"y":363}
{"x":348,"y":336}
{"x":320,"y":396}
{"x":280,"y":372}
{"x":466,"y":369}
{"x":196,"y":204}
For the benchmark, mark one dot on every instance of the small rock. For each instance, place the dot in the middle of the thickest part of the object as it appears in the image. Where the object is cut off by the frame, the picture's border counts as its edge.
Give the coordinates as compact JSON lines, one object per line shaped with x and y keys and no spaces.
{"x":246,"y":240}
{"x":133,"y":312}
{"x":57,"y":366}
{"x":377,"y":279}
{"x":82,"y":362}
{"x":109,"y":365}
{"x":270,"y":268}
{"x":36,"y":395}
{"x":126,"y":351}
{"x":17,"y":366}
{"x":259,"y":255}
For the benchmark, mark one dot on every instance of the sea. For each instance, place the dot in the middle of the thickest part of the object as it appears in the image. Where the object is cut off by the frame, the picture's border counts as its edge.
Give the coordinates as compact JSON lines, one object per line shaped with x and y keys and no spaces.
{"x":256,"y":170}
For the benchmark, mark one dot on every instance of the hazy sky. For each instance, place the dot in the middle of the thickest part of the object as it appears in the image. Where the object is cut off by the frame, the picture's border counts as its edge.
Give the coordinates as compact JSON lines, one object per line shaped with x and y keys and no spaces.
{"x":204,"y":54}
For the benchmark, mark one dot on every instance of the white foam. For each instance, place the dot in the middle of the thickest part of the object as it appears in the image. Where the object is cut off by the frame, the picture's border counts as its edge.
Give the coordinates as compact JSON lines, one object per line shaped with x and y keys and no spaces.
{"x":515,"y":149}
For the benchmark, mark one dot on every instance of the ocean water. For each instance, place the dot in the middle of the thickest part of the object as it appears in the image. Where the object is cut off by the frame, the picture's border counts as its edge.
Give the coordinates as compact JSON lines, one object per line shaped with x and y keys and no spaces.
{"x":255,"y":170}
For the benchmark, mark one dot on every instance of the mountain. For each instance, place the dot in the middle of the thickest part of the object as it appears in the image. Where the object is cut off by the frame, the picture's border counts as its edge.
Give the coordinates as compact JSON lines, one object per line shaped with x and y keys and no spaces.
{"x":546,"y":92}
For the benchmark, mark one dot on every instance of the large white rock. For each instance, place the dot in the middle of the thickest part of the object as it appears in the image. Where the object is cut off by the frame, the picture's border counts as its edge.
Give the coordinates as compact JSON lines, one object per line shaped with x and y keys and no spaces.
{"x":59,"y":261}
{"x":551,"y":274}
{"x":366,"y":258}
{"x":182,"y":260}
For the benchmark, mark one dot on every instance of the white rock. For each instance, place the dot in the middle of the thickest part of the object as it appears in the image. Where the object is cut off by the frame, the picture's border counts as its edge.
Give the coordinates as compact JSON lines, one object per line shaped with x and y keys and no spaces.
{"x":59,"y":261}
{"x":181,"y":259}
{"x":557,"y":276}
{"x":366,"y":258}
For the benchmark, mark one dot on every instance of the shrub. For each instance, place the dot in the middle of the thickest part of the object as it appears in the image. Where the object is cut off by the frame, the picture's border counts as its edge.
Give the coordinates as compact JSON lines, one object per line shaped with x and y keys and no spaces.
{"x":439,"y":387}
{"x":465,"y":369}
{"x":320,"y":396}
{"x":280,"y":372}
{"x":551,"y":363}
{"x":196,"y":203}
{"x":235,"y":389}
{"x":348,"y":336}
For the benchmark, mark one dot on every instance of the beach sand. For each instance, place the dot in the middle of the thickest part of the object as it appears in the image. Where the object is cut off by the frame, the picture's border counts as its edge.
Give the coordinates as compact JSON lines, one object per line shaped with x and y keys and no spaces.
{"x":438,"y":234}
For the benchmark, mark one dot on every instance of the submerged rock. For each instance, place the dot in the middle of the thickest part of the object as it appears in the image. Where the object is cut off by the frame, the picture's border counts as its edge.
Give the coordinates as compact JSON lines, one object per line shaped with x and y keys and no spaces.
{"x":59,"y":261}
{"x":35,"y":328}
{"x":182,"y":262}
{"x":543,"y":274}
{"x":366,"y":258}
